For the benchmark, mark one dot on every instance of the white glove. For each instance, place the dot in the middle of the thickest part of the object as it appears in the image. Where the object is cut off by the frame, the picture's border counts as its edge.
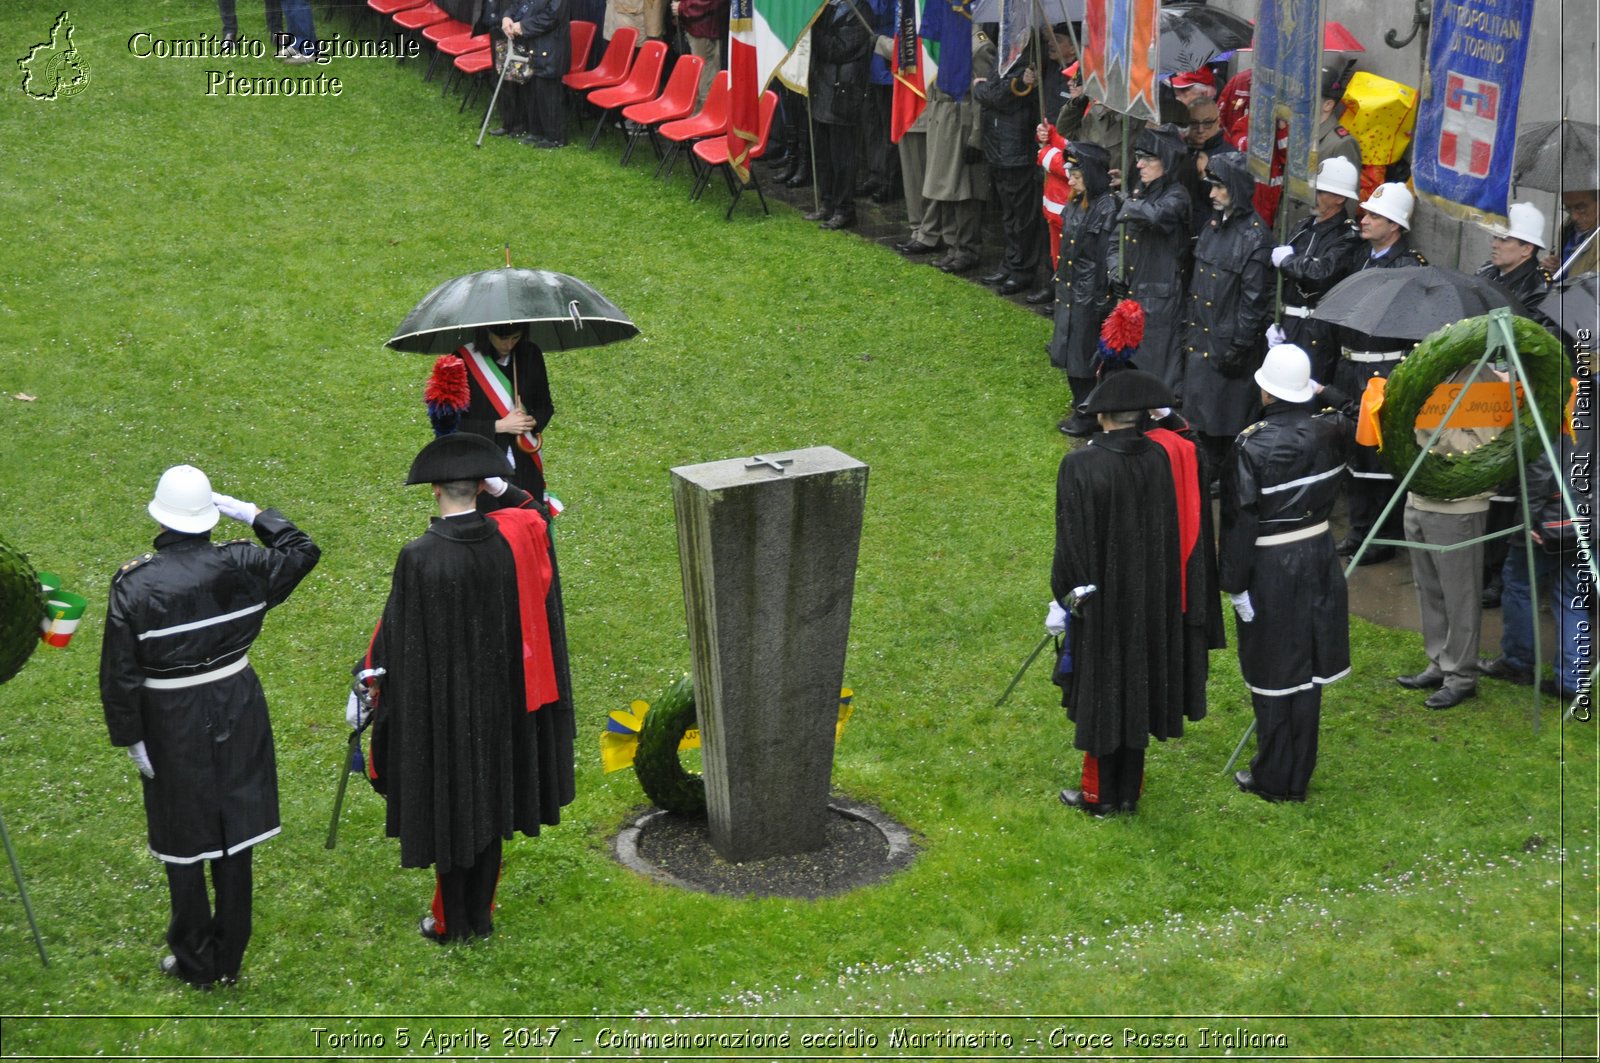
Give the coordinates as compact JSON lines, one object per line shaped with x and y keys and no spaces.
{"x":1242,"y":606}
{"x":141,"y":760}
{"x":1275,"y":335}
{"x":884,"y":46}
{"x":495,"y":485}
{"x":1280,"y":254}
{"x":229,"y":506}
{"x":355,"y":714}
{"x":1055,"y":619}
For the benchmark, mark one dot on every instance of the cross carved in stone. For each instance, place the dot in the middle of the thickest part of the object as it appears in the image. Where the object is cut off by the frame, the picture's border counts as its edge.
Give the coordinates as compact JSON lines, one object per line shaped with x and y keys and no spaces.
{"x":775,"y":464}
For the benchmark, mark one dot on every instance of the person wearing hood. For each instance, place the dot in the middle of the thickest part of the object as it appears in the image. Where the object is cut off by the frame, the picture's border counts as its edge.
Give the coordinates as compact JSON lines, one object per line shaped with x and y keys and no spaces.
{"x":1230,"y":301}
{"x":1279,"y":567}
{"x":1323,"y":250}
{"x":1083,"y":296}
{"x":1156,"y":218}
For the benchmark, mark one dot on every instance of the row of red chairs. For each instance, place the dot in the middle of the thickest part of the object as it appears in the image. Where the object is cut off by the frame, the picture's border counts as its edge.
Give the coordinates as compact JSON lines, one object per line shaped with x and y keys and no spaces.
{"x":625,"y":79}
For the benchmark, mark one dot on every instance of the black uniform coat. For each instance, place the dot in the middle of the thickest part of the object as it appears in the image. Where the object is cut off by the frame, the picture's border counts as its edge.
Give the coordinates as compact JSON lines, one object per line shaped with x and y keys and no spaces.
{"x":1325,"y":253}
{"x":1528,"y":282}
{"x":194,"y":607}
{"x":1117,"y":528}
{"x":1082,"y":279}
{"x":546,"y":32}
{"x":1283,"y":475}
{"x":841,"y":57}
{"x":1157,"y":221}
{"x":532,"y":382}
{"x":442,"y":738}
{"x":1230,"y":302}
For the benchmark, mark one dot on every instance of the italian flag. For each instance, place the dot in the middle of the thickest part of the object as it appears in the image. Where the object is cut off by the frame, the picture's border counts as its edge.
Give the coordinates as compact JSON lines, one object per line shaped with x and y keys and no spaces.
{"x":764,"y":39}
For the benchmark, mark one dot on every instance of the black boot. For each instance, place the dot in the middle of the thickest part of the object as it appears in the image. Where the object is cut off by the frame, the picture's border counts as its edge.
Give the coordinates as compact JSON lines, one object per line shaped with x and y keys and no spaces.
{"x":801,"y":178}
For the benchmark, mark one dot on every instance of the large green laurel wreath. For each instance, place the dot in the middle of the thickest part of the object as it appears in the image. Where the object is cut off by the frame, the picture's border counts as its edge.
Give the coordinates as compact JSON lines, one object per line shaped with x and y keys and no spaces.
{"x":656,"y":763}
{"x":1436,"y":358}
{"x":21,"y":609}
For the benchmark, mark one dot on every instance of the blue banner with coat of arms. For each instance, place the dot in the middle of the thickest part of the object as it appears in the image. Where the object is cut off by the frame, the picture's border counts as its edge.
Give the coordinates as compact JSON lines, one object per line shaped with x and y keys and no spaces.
{"x":1286,"y":87}
{"x":1467,"y":118}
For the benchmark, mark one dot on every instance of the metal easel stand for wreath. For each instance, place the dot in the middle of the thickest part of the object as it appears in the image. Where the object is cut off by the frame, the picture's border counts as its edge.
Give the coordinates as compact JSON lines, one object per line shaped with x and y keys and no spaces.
{"x":1500,"y":340}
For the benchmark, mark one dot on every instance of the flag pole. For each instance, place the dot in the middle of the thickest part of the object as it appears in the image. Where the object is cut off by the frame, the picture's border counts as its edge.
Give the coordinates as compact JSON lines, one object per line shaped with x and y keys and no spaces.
{"x":27,"y":906}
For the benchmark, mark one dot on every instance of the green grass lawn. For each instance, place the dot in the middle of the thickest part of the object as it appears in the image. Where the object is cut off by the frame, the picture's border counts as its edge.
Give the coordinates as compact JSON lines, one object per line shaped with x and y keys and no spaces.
{"x":209,"y":279}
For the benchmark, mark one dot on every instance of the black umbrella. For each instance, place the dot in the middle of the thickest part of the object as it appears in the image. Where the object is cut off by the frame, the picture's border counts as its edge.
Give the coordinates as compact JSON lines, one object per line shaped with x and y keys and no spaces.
{"x":559,"y":312}
{"x":1574,"y":307}
{"x":1558,"y":156}
{"x":1192,"y":35}
{"x":1411,"y":302}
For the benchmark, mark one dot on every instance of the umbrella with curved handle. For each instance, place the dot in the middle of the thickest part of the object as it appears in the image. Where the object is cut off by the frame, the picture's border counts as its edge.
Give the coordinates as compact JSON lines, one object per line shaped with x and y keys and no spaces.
{"x":559,"y":312}
{"x":1410,"y":303}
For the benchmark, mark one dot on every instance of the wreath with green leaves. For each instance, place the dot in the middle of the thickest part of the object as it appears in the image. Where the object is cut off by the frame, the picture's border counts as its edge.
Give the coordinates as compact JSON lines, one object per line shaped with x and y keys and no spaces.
{"x":665,"y":780}
{"x":21,"y":609}
{"x":1436,"y":359}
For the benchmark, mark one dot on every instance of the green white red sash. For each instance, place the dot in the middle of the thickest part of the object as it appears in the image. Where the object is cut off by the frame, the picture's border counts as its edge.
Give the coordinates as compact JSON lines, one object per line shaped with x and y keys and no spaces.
{"x":492,"y":381}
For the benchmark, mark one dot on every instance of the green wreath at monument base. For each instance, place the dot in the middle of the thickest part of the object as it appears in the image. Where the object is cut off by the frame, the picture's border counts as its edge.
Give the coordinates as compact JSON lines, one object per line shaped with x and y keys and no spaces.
{"x":21,"y":610}
{"x":1435,"y":360}
{"x":665,"y":780}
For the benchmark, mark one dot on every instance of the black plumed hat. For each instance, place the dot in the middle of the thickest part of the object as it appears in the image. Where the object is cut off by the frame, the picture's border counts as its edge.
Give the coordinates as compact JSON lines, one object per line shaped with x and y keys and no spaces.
{"x":458,"y":456}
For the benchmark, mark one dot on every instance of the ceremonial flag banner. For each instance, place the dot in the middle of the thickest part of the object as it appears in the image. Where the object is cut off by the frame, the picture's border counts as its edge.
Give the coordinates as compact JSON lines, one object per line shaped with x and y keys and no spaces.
{"x":910,"y":66}
{"x":763,"y":43}
{"x":1016,"y":24}
{"x":1467,"y":120}
{"x":1119,"y":54}
{"x":1286,"y":87}
{"x":947,"y":28}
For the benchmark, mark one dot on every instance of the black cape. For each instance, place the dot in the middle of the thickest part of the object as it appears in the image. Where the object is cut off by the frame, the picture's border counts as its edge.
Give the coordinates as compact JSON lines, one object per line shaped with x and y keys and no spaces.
{"x":445,"y":739}
{"x":1117,"y":528}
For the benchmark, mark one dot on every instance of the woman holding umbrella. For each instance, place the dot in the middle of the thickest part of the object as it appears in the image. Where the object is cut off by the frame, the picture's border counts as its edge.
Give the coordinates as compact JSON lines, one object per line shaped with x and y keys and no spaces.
{"x":510,"y":402}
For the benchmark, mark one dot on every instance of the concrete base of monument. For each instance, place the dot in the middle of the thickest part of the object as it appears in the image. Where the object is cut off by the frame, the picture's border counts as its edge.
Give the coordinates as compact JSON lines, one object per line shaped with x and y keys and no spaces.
{"x":864,"y":846}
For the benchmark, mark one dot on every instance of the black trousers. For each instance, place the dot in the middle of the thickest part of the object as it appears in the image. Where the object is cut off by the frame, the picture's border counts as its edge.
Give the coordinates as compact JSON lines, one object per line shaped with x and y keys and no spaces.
{"x":836,"y":166}
{"x":207,"y":937}
{"x":1114,"y":780}
{"x":546,"y":117}
{"x":1018,"y":192}
{"x":1286,"y":742}
{"x":467,"y":895}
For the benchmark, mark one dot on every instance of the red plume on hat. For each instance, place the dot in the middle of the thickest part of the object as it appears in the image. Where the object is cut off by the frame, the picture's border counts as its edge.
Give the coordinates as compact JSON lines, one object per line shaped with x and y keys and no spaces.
{"x":1122,"y":332}
{"x":447,"y":394}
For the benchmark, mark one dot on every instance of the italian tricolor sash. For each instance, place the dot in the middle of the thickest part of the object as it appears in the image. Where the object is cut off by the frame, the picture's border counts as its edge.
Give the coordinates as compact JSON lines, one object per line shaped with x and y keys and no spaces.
{"x":491,"y":379}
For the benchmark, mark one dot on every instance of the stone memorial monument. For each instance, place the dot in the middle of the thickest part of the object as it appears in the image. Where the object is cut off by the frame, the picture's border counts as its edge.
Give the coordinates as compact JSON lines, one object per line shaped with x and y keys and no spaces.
{"x":768,"y":548}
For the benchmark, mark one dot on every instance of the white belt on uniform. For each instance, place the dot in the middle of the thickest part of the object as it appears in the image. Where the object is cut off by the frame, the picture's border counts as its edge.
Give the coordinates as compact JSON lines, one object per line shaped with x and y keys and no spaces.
{"x":232,"y":668}
{"x":1297,"y":311}
{"x":1374,"y":356}
{"x":1292,"y":536}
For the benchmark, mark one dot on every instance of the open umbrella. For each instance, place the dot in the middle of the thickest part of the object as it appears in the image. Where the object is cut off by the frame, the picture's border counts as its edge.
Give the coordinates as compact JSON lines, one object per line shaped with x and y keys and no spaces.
{"x":1574,"y":307}
{"x":1557,"y":156}
{"x":1410,"y":303}
{"x":1193,"y":35}
{"x":1042,"y":13}
{"x":559,"y":312}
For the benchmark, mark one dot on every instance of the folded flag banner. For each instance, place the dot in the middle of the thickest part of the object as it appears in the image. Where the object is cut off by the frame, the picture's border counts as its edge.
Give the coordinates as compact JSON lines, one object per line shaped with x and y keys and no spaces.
{"x":910,"y":66}
{"x":764,"y":39}
{"x":1285,"y":90}
{"x":1119,"y":54}
{"x":947,"y":29}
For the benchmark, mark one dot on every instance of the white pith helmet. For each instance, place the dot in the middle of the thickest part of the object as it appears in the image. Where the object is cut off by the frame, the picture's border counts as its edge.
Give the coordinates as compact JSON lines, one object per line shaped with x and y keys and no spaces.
{"x":183,"y":501}
{"x":1526,"y":224}
{"x":1393,"y":201}
{"x":1338,"y":176}
{"x":1286,"y":374}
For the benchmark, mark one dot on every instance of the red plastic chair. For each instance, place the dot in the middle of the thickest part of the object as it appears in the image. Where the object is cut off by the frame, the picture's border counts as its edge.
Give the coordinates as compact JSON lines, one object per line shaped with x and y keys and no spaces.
{"x":457,"y":46}
{"x":643,"y":82}
{"x":471,"y":65}
{"x":612,"y":69}
{"x":676,"y":101}
{"x":712,"y":154}
{"x":581,"y":34}
{"x":712,"y":120}
{"x":420,"y":17}
{"x":436,"y":35}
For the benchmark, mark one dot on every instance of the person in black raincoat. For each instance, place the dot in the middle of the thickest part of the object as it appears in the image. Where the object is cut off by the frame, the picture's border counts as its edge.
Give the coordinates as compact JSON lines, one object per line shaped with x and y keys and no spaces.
{"x":180,"y":693}
{"x":1277,"y":562}
{"x":1324,"y":249}
{"x":1386,"y":229}
{"x":1009,"y":110}
{"x":1130,"y":569}
{"x":841,"y":55}
{"x":1156,"y":215}
{"x":1083,"y":296}
{"x":451,"y":750}
{"x":1230,"y":300}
